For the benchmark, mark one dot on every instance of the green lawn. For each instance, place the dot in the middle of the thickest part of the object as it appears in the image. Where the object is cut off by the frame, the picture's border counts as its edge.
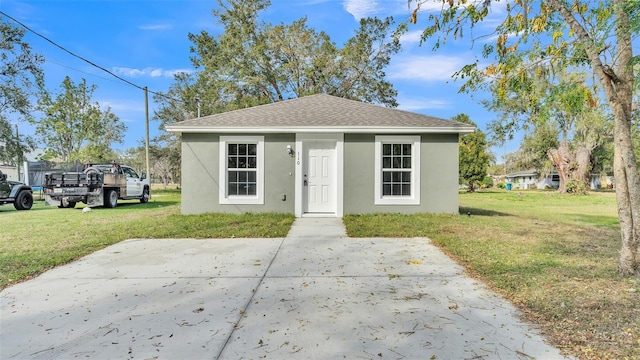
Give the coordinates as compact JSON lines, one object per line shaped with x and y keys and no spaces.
{"x":553,"y":256}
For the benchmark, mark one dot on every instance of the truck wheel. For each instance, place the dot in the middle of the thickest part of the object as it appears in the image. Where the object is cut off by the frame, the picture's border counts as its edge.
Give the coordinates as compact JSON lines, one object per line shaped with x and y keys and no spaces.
{"x":110,"y":198}
{"x":145,"y":196}
{"x":24,"y":201}
{"x":64,"y":204}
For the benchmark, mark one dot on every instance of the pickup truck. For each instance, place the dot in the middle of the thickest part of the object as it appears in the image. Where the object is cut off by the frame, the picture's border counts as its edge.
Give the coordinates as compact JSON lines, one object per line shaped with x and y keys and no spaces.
{"x":15,"y":192}
{"x":97,"y":184}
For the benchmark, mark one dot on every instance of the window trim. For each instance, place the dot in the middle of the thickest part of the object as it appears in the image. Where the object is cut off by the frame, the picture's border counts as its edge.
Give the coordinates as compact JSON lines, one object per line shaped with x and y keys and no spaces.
{"x":414,"y":199}
{"x":223,"y":197}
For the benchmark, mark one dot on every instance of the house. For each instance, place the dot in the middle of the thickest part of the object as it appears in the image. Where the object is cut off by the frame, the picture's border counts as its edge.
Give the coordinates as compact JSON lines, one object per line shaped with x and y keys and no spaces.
{"x":319,"y":155}
{"x":531,"y":179}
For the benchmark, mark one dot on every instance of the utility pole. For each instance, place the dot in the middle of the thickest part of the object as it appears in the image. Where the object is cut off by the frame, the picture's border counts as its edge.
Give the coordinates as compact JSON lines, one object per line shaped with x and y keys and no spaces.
{"x":19,"y":150}
{"x":146,"y":116}
{"x":198,"y":102}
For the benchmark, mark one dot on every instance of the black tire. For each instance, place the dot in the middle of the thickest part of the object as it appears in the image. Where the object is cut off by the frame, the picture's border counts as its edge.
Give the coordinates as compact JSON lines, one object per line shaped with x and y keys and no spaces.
{"x":110,"y":198}
{"x":24,"y":201}
{"x":145,"y":196}
{"x":66,"y":204}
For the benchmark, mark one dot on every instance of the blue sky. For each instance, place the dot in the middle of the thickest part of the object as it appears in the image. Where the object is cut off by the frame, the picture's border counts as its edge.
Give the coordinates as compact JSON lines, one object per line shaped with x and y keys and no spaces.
{"x":145,"y":42}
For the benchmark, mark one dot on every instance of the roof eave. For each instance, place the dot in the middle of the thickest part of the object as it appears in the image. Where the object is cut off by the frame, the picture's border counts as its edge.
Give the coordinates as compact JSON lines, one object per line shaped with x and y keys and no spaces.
{"x":321,"y":129}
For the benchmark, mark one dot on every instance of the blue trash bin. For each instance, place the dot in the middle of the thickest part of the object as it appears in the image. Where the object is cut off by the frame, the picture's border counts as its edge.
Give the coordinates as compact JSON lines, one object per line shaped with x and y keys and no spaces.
{"x":508,"y":186}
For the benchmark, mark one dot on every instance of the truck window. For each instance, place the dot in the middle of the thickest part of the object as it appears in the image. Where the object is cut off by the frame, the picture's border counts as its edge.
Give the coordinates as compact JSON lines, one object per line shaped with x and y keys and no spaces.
{"x":130,"y":172}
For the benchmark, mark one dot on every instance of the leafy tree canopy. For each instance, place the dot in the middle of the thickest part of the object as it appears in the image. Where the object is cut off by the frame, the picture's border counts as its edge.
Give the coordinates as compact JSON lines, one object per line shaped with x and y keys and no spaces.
{"x":562,"y":34}
{"x":20,"y":73}
{"x":73,"y":127}
{"x":474,"y":157}
{"x":253,"y":62}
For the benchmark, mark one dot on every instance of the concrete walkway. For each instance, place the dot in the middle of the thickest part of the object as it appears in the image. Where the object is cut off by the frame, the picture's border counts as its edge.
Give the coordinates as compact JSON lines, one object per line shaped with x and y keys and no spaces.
{"x":315,"y":294}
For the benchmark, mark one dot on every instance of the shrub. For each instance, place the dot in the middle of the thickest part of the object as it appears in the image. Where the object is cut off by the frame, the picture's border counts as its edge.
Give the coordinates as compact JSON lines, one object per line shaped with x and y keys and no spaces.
{"x":487,"y":182}
{"x":575,"y":186}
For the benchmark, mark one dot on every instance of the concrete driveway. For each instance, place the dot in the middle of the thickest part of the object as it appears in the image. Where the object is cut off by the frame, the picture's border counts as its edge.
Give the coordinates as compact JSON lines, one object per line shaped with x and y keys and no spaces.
{"x":314,"y":294}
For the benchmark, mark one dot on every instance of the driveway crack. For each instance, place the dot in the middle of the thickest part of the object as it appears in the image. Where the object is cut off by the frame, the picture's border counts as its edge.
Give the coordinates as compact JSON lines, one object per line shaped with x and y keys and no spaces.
{"x":246,"y":306}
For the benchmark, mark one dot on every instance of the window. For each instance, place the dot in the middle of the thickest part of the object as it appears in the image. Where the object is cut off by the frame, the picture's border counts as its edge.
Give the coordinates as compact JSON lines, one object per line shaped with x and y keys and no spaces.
{"x":242,"y":167}
{"x":397,"y":178}
{"x":241,"y":170}
{"x":130,"y":172}
{"x":396,"y":169}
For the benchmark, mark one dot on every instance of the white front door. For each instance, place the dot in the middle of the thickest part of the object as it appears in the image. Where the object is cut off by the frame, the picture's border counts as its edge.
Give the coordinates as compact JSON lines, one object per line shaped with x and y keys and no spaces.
{"x":320,"y":177}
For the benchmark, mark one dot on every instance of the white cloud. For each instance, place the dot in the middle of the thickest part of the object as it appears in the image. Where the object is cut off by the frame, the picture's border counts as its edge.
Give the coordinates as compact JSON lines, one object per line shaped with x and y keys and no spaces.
{"x":148,"y":72}
{"x":361,"y":8}
{"x":416,"y":105}
{"x":120,"y":105}
{"x":411,"y":37}
{"x":155,"y":27}
{"x":425,"y":68}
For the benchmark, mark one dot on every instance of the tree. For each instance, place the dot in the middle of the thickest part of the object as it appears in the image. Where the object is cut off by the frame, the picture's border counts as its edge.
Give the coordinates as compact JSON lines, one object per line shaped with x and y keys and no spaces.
{"x":252,"y":62}
{"x":20,"y":72}
{"x":74,"y":128}
{"x":563,"y":111}
{"x":181,"y":103}
{"x":534,"y":148}
{"x":161,"y":157}
{"x":272,"y":63}
{"x":474,"y":158}
{"x":562,"y":32}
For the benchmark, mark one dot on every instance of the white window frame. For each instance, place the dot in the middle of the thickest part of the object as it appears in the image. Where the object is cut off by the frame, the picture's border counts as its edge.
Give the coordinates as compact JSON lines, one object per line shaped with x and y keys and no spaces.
{"x":414,"y":199}
{"x":224,"y":198}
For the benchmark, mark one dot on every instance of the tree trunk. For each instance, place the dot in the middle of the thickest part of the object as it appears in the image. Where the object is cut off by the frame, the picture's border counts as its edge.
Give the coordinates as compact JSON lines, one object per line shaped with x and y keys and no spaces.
{"x":561,"y":159}
{"x":571,"y":167}
{"x":627,"y":184}
{"x":582,"y":171}
{"x":618,"y":88}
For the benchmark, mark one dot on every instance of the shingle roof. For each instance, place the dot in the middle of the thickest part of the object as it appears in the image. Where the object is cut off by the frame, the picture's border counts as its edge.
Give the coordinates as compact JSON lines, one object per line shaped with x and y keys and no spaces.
{"x":530,"y":172}
{"x":320,"y":113}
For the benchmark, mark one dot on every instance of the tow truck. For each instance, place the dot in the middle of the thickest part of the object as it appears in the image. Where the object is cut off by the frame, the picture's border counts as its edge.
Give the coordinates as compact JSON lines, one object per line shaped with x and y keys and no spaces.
{"x":98,"y":184}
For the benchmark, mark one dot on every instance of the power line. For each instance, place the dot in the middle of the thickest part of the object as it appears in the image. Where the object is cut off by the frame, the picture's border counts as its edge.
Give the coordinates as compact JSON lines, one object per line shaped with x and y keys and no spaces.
{"x":88,"y":61}
{"x":80,"y":71}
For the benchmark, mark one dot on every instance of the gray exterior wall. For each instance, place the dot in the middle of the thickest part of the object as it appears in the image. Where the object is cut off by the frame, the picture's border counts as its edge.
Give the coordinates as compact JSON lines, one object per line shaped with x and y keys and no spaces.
{"x":200,"y":168}
{"x":438,"y":175}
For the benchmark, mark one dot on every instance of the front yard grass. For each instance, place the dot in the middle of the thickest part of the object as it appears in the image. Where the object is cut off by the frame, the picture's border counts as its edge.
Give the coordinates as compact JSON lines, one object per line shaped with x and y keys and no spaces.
{"x":36,"y":240}
{"x":553,"y":256}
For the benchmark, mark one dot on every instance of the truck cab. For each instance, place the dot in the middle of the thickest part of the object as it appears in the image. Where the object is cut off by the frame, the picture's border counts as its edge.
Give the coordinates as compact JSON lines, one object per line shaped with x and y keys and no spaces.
{"x":135,"y":183}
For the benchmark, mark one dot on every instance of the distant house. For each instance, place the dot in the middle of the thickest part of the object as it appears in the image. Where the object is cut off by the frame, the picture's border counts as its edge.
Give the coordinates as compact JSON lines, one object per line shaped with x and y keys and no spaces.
{"x":319,"y":155}
{"x":531,"y":179}
{"x":10,"y":170}
{"x":29,"y":168}
{"x":601,"y":182}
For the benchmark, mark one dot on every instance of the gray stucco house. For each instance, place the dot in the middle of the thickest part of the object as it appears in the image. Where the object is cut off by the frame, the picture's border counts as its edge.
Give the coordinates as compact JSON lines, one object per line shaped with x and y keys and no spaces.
{"x":319,"y":155}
